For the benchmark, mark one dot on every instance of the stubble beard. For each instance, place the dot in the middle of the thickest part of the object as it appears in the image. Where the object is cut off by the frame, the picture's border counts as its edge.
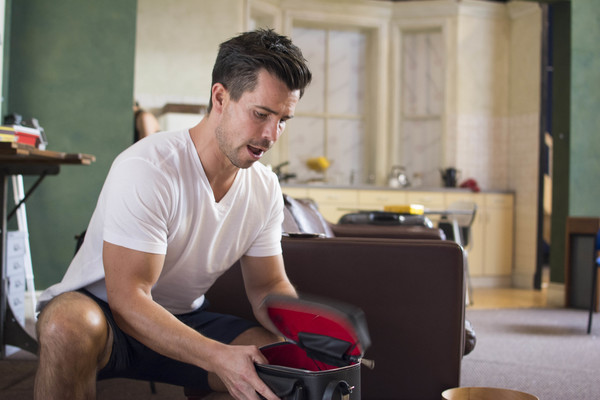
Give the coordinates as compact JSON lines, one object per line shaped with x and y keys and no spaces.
{"x":230,"y":151}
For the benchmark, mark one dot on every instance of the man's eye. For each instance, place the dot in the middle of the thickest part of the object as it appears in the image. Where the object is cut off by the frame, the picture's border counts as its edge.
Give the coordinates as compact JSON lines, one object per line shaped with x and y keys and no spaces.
{"x":260,"y":115}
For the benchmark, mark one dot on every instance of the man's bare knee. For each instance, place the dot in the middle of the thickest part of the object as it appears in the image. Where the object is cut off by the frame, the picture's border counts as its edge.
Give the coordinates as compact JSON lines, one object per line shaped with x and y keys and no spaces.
{"x":72,"y":323}
{"x":74,"y":342}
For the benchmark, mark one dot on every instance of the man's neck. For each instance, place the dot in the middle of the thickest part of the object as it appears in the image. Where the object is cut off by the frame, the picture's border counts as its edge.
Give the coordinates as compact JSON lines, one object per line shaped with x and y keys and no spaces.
{"x":219,"y":171}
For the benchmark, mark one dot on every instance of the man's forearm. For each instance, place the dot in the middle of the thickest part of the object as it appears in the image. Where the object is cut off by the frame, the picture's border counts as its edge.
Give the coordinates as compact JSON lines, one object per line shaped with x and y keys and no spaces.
{"x":151,"y":324}
{"x":284,"y":288}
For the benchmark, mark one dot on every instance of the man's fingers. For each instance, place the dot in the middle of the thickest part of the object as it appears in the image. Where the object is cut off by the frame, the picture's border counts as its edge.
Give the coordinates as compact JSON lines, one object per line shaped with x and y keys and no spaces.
{"x":259,"y":385}
{"x":264,"y":391}
{"x":238,"y":373}
{"x":262,"y":387}
{"x":259,"y":358}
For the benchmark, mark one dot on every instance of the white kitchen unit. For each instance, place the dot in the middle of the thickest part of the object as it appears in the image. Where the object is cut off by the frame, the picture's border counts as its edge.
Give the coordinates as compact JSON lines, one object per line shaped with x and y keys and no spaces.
{"x":497,"y":218}
{"x":333,"y":203}
{"x":377,"y":199}
{"x":476,"y":241}
{"x":491,"y":242}
{"x":295,"y":192}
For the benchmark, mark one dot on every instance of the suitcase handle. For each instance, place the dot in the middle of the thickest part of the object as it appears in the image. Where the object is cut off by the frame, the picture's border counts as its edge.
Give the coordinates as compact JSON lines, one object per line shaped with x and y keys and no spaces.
{"x":285,"y":388}
{"x":341,"y":386}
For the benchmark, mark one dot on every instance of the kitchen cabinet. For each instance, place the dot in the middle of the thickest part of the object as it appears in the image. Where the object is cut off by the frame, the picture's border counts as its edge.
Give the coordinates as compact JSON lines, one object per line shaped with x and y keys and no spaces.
{"x":377,"y":199}
{"x":497,"y":219}
{"x":491,"y":243}
{"x":476,"y":240}
{"x":430,"y":200}
{"x":295,"y":192}
{"x":333,"y":203}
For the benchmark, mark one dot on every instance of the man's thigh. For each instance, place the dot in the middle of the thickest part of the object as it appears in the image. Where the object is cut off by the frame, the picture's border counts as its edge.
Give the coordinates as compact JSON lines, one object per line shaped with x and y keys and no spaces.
{"x":257,"y":336}
{"x":132,"y":359}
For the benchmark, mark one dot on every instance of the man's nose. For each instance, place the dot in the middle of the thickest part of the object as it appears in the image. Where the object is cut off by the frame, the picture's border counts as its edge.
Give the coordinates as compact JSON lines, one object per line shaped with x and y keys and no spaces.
{"x":272,"y":131}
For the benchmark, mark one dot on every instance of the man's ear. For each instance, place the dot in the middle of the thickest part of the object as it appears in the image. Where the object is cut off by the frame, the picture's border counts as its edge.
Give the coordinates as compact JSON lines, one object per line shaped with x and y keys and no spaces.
{"x":219,"y":96}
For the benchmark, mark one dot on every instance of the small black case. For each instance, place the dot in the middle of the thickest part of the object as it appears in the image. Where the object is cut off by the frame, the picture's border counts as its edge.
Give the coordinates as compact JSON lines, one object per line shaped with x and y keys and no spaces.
{"x":321,"y":358}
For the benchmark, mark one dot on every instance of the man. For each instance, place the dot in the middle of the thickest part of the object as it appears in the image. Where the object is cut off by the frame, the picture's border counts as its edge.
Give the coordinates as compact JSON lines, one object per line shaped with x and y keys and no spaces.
{"x":176,"y":210}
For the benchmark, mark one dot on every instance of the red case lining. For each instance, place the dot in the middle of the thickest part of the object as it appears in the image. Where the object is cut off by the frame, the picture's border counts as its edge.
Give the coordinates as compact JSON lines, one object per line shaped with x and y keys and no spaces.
{"x":292,"y":316}
{"x":289,"y":355}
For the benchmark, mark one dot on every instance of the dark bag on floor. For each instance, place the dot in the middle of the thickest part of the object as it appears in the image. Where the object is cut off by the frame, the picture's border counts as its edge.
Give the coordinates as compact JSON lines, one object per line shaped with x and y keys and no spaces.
{"x":321,"y":359}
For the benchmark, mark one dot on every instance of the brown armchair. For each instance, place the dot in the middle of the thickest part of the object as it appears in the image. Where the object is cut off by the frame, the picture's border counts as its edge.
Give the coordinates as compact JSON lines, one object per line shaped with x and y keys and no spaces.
{"x":411,"y":290}
{"x":412,"y":293}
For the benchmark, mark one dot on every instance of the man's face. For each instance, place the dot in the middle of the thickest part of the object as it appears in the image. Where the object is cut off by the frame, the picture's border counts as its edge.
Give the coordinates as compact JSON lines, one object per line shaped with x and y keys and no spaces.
{"x":250,"y":126}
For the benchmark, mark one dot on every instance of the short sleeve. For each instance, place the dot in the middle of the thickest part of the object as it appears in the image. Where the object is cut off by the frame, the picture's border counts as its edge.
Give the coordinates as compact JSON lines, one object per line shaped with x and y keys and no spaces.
{"x":138,"y":200}
{"x":268,"y":242}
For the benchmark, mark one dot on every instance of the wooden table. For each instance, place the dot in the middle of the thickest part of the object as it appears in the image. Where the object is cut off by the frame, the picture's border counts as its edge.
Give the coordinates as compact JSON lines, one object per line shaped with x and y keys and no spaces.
{"x":19,"y":159}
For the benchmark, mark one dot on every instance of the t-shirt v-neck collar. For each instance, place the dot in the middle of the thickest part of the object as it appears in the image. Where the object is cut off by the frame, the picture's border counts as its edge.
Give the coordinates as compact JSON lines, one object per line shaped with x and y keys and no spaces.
{"x":227,"y":200}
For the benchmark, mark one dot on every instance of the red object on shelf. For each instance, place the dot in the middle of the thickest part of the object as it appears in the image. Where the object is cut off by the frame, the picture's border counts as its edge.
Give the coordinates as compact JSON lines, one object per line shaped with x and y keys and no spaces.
{"x":470,"y":184}
{"x":23,"y":134}
{"x":27,"y":138}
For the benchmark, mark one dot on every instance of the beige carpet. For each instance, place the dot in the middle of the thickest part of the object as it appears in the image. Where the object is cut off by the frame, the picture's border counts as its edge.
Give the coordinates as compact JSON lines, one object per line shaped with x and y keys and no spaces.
{"x":545,"y":352}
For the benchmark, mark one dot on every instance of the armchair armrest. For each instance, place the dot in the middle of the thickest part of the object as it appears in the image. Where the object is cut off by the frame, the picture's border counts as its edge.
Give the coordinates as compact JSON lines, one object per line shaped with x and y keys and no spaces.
{"x":387,"y":231}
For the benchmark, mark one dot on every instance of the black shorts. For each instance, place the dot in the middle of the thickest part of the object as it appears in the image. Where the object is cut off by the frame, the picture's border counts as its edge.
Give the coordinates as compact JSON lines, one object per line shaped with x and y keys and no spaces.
{"x":131,"y":359}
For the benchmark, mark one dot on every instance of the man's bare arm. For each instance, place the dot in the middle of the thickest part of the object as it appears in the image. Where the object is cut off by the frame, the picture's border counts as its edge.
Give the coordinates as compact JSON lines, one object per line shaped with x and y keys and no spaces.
{"x":264,"y":276}
{"x":130,"y":276}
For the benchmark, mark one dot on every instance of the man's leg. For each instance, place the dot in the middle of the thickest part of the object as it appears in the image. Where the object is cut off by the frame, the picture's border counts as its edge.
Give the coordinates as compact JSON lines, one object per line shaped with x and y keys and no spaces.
{"x":74,"y":341}
{"x":257,"y":336}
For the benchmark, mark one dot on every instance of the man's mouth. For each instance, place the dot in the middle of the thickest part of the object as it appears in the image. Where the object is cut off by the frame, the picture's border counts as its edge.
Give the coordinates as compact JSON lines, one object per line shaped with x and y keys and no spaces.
{"x":256,"y":151}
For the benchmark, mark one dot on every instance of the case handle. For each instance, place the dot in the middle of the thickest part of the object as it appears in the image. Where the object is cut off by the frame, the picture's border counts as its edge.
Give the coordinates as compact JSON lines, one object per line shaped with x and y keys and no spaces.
{"x":284,"y":388}
{"x":340,"y":386}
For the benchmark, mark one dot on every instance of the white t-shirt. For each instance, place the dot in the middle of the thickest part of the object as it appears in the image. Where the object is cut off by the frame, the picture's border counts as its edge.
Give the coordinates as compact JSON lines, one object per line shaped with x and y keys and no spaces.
{"x":157,"y":199}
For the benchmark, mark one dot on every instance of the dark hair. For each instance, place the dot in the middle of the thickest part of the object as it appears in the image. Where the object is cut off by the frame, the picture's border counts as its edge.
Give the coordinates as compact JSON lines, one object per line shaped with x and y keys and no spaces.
{"x":240,"y":59}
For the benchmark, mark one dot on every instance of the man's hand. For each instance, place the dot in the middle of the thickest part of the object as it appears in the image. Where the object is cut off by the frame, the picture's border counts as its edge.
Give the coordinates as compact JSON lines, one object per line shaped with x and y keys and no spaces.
{"x":234,"y":365}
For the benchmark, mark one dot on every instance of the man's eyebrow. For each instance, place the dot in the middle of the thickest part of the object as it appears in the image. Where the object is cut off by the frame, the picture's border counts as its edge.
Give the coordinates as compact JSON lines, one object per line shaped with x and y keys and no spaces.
{"x":267,"y":109}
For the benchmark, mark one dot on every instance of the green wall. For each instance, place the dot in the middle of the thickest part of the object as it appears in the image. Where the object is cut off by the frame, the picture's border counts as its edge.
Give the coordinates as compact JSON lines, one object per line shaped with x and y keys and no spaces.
{"x":584,"y":184}
{"x":576,"y":116}
{"x":70,"y":65}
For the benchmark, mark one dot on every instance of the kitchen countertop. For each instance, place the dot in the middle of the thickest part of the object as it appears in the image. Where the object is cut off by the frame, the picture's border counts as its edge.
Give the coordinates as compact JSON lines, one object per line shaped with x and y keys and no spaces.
{"x":319,"y":185}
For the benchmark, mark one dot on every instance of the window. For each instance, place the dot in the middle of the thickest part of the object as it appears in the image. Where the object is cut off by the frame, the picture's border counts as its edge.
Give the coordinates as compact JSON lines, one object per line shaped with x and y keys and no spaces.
{"x":422,"y":96}
{"x":330,"y":119}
